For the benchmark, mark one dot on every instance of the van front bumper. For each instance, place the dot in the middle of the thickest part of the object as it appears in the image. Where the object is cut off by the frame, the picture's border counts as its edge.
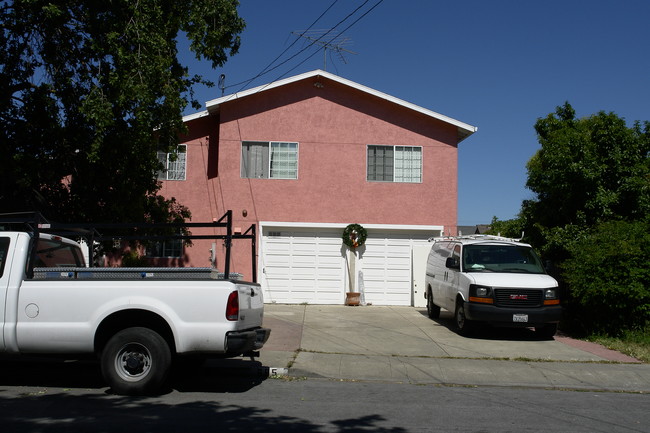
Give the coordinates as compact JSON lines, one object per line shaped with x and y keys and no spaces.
{"x":515,"y":317}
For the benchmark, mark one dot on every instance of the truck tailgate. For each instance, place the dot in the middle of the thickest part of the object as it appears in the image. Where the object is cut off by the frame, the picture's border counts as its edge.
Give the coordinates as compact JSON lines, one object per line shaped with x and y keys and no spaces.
{"x":251,"y":305}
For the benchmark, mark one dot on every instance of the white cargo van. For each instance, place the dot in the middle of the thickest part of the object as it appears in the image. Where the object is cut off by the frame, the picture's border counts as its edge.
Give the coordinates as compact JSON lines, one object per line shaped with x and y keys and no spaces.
{"x":491,"y":279}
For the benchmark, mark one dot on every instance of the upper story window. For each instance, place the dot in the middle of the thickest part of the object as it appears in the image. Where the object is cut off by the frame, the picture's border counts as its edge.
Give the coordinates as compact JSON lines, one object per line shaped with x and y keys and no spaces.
{"x":175,"y":164}
{"x":269,"y":160}
{"x":395,"y":163}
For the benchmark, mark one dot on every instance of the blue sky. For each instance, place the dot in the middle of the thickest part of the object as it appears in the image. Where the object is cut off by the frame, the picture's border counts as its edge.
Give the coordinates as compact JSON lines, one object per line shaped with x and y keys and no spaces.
{"x":498,"y":65}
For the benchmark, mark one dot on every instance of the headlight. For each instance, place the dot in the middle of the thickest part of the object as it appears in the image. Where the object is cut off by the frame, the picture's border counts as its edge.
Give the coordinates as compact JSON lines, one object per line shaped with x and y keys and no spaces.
{"x":550,"y":294}
{"x":482,"y":294}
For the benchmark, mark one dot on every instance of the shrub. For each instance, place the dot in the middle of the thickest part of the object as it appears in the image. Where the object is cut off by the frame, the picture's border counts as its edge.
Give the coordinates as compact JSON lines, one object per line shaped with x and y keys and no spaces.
{"x":608,"y":274}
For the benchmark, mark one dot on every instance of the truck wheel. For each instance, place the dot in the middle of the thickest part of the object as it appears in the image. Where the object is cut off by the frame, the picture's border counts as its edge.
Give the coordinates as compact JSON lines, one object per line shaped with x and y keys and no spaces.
{"x":136,"y":361}
{"x":432,"y":309}
{"x":463,"y":324}
{"x":546,"y":332}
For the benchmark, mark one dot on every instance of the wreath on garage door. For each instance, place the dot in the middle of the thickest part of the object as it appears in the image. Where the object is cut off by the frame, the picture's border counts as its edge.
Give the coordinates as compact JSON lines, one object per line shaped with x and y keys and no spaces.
{"x":354,"y":235}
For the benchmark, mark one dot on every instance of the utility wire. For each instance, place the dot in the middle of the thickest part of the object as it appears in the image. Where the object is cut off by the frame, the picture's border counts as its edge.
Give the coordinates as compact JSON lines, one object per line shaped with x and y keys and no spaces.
{"x":330,"y":41}
{"x":312,"y":44}
{"x":264,"y":71}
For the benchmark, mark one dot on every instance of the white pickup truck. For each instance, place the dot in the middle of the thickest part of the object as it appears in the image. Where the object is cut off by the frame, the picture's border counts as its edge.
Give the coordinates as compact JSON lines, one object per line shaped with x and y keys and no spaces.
{"x":137,"y":324}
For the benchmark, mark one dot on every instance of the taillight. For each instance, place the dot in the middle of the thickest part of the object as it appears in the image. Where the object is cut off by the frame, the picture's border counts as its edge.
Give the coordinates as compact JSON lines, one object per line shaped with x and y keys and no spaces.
{"x":232,"y":308}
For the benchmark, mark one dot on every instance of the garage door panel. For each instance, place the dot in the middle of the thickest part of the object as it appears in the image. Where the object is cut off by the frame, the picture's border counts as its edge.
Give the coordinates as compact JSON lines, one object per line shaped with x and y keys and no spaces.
{"x":386,"y":265}
{"x":312,"y":268}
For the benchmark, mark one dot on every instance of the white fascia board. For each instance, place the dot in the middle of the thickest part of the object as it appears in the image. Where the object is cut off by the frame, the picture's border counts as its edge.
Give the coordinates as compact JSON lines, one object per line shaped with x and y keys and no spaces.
{"x":343,"y":225}
{"x":467,"y":128}
{"x":195,"y":116}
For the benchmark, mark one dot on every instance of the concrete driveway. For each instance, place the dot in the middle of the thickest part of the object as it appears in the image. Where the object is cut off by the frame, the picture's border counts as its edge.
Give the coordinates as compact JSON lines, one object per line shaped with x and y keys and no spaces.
{"x":403,"y":344}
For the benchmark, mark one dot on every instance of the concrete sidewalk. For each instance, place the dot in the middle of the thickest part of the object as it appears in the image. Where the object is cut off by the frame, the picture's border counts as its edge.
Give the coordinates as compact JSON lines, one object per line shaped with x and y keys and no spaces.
{"x":402,"y":344}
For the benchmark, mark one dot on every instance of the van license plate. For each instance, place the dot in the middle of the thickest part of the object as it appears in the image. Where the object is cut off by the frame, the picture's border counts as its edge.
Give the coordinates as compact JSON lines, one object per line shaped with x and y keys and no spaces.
{"x":520,"y":317}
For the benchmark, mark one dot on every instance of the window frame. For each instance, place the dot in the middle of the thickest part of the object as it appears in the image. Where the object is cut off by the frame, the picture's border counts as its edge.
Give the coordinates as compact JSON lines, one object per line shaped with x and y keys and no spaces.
{"x":166,"y":160}
{"x":268,"y":170}
{"x":395,"y":149}
{"x":163,"y":247}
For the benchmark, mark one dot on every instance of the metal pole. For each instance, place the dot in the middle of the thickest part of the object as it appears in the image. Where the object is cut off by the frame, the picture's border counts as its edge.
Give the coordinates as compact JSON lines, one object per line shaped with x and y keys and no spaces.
{"x":226,"y":270}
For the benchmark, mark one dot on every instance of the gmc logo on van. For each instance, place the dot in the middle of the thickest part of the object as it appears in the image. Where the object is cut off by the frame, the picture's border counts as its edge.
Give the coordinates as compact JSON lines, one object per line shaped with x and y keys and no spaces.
{"x":521,"y":297}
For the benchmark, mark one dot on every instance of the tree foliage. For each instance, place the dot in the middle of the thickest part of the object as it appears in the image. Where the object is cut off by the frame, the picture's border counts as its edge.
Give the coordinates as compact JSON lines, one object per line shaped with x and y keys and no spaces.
{"x":512,"y":228}
{"x":608,"y":272}
{"x":591,"y":179}
{"x":83,"y":87}
{"x":588,"y":171}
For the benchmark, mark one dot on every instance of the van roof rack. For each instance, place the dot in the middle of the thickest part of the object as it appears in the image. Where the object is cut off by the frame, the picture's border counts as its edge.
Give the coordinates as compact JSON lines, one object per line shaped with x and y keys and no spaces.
{"x":476,"y":237}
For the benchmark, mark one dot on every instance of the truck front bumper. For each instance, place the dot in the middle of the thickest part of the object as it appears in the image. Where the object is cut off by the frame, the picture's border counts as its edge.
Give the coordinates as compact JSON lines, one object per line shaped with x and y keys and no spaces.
{"x":513,"y":317}
{"x":245,"y":342}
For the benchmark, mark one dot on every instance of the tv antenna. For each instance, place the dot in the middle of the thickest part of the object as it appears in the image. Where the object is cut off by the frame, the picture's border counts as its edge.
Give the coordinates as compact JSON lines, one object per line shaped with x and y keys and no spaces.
{"x":335,"y":42}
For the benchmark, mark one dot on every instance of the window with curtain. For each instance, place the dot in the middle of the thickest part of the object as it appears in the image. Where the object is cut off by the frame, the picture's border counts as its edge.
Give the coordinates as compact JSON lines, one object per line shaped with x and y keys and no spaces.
{"x":394,"y":164}
{"x":269,"y":160}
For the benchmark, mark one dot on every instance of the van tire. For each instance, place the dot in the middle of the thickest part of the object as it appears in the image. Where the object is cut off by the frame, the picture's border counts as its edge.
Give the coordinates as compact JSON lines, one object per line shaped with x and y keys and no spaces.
{"x":546,"y":332}
{"x":464,"y":326}
{"x":432,"y":309}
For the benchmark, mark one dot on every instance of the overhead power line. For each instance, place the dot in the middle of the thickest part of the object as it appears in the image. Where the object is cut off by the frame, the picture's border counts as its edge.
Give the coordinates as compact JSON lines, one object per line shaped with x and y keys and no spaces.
{"x":265,"y":70}
{"x":311,"y":44}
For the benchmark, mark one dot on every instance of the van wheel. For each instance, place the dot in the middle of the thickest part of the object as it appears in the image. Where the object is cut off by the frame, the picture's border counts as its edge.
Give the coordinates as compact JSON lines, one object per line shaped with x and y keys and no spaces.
{"x":546,"y":332}
{"x":136,"y":361}
{"x":464,"y":326}
{"x":432,"y":309}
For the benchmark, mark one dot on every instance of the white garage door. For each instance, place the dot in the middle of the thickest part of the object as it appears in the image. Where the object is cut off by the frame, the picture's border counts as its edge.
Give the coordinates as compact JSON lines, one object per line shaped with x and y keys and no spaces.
{"x":386,"y":266}
{"x":309,"y":265}
{"x":302,"y":265}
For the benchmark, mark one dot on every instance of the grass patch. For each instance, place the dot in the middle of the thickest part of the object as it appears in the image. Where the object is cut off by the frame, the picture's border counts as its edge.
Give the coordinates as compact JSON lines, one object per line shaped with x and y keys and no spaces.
{"x":631,"y":343}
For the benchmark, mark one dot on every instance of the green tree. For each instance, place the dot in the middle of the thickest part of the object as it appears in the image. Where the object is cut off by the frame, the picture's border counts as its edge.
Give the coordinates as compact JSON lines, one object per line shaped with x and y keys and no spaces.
{"x":588,"y":171}
{"x":512,"y":228}
{"x":83,"y":87}
{"x":608,"y":272}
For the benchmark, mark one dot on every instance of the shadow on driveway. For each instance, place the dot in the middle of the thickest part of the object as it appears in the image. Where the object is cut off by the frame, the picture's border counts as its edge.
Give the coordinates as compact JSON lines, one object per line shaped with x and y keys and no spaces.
{"x":485,"y":331}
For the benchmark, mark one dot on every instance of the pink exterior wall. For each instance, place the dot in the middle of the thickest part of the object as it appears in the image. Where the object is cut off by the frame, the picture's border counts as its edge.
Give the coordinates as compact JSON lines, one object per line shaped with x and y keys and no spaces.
{"x":333,"y":125}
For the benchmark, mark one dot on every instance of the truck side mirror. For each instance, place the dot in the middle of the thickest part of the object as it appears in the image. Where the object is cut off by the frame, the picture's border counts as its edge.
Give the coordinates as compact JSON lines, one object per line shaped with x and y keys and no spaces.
{"x":452,"y":263}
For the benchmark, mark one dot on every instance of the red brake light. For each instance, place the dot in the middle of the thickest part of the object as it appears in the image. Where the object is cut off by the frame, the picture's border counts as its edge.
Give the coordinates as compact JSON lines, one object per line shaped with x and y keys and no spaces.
{"x":232,"y":308}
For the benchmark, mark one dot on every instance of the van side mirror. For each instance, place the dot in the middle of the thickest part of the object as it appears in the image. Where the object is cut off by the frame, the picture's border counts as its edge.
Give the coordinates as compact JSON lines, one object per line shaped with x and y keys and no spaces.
{"x":452,"y":263}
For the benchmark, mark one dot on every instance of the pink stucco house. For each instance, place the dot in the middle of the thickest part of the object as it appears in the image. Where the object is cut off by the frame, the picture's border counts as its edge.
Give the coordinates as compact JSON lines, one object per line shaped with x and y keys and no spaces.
{"x":304,"y":157}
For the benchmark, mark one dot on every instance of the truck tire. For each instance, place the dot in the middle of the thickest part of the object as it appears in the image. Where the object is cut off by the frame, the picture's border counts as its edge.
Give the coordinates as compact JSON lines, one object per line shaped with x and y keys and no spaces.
{"x":136,"y":361}
{"x":464,"y":326}
{"x":432,"y":309}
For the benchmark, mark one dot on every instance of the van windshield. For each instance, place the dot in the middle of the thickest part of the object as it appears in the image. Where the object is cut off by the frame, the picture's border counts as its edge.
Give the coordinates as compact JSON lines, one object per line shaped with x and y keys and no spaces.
{"x":501,"y":258}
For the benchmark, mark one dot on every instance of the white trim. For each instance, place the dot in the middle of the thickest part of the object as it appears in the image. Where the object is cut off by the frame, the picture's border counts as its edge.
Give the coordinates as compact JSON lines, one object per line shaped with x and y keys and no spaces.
{"x":264,"y":224}
{"x":465,"y":129}
{"x":194,"y":116}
